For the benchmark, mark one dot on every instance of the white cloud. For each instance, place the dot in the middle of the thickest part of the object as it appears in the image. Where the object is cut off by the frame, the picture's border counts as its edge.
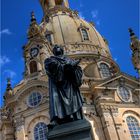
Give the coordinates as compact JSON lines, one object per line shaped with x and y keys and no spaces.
{"x":98,"y":22}
{"x":81,"y":5}
{"x":5,"y":31}
{"x":81,"y":15}
{"x":94,"y":13}
{"x":9,"y":73}
{"x":115,"y":59}
{"x":4,"y":60}
{"x":95,"y":16}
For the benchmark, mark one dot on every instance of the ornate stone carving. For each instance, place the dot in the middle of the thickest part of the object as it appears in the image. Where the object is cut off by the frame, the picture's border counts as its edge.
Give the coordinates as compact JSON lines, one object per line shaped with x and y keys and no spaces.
{"x":34,"y":29}
{"x":85,"y":48}
{"x":5,"y":113}
{"x":88,"y":109}
{"x":118,"y":126}
{"x":107,"y":110}
{"x":135,"y":47}
{"x":57,"y":8}
{"x":85,"y":83}
{"x":19,"y":123}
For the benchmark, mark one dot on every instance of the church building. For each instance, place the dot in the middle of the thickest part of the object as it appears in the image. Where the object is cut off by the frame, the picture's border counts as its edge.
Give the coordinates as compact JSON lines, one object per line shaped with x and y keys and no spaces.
{"x":112,"y":98}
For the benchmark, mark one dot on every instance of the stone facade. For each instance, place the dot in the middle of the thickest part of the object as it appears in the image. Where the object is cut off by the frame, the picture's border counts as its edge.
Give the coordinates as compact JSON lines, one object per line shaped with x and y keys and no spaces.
{"x":110,"y":95}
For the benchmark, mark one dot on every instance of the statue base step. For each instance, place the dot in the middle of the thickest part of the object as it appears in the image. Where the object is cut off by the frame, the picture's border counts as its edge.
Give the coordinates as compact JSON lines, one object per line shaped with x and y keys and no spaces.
{"x":77,"y":130}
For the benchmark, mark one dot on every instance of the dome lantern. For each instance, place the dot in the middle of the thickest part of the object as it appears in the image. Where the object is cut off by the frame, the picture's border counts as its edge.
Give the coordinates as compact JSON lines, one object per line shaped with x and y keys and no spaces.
{"x":48,"y":4}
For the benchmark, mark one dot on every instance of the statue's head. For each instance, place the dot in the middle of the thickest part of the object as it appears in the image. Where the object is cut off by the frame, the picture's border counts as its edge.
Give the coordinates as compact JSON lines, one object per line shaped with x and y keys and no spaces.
{"x":57,"y":50}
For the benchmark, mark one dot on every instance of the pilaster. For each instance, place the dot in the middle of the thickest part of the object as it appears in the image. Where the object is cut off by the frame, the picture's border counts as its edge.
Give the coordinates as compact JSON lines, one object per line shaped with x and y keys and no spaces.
{"x":20,"y":131}
{"x":108,"y":116}
{"x":7,"y":130}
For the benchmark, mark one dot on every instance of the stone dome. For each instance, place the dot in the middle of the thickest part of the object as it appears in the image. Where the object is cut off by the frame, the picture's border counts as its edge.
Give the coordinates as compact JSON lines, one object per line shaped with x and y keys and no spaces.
{"x":65,"y":27}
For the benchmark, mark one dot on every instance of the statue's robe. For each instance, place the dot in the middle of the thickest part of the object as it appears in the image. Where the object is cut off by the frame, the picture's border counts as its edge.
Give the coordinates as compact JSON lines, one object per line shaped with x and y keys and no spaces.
{"x":65,"y":78}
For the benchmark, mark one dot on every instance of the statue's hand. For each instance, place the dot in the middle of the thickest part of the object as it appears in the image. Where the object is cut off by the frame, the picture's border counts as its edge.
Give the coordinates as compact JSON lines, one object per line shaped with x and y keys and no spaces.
{"x":76,"y":62}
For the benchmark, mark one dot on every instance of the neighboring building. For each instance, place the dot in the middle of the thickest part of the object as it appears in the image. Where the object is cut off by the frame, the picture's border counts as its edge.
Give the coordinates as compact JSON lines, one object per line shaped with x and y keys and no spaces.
{"x":112,"y":97}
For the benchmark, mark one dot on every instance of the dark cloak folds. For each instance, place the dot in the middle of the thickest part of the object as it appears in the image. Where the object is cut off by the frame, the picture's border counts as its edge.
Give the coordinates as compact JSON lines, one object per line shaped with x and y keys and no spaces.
{"x":65,"y":78}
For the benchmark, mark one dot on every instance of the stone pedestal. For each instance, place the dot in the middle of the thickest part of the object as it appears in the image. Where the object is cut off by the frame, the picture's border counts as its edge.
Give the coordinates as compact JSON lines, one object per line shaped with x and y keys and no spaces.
{"x":77,"y":130}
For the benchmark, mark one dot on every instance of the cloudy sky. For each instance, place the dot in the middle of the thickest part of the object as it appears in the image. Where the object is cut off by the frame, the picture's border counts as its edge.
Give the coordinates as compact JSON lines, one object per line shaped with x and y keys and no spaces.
{"x":111,"y":17}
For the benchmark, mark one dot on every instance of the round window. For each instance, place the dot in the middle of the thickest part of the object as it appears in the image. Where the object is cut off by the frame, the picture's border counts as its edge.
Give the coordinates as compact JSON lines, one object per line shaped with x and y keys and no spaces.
{"x":34,"y":99}
{"x":124,"y":93}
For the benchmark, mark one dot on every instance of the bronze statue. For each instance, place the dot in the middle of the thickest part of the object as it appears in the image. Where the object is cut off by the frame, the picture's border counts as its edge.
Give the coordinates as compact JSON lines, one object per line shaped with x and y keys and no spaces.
{"x":65,"y":78}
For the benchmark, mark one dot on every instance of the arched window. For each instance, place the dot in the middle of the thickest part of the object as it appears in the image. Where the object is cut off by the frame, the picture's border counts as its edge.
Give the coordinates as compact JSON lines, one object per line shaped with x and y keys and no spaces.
{"x":134,"y":127}
{"x":105,"y":71}
{"x":33,"y":67}
{"x":124,"y":93}
{"x":85,"y":34}
{"x":40,"y":131}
